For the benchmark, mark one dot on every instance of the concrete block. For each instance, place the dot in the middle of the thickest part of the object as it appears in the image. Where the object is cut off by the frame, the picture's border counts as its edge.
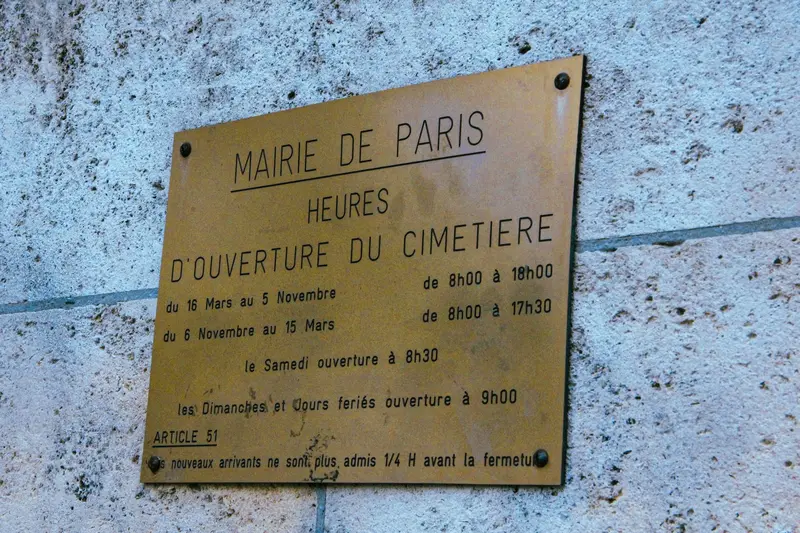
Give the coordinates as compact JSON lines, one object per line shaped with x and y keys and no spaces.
{"x":73,"y":395}
{"x":690,"y":116}
{"x":685,"y":375}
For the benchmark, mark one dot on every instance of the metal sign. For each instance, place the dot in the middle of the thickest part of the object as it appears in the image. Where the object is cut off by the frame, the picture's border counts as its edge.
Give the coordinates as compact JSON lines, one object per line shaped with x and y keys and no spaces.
{"x":371,"y":290}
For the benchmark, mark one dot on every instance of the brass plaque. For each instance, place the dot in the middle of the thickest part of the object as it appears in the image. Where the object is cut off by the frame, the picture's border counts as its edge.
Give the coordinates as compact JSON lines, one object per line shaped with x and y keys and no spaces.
{"x":371,"y":290}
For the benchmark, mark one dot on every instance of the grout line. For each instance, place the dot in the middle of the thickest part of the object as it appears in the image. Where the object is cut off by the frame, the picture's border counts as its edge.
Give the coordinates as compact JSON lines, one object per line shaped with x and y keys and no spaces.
{"x":676,"y":237}
{"x":322,"y":496}
{"x":608,"y":244}
{"x":67,"y":302}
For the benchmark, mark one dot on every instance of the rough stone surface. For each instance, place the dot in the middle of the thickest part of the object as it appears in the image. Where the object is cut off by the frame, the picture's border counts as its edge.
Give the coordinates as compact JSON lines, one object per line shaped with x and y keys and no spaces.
{"x":73,"y":394}
{"x":684,"y":379}
{"x":685,"y":375}
{"x":690,"y":118}
{"x":684,"y":387}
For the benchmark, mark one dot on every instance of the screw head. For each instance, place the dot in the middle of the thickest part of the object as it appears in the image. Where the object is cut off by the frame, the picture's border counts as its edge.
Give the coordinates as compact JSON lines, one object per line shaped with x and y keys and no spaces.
{"x":154,"y":463}
{"x":562,"y":81}
{"x":540,"y":458}
{"x":186,"y":149}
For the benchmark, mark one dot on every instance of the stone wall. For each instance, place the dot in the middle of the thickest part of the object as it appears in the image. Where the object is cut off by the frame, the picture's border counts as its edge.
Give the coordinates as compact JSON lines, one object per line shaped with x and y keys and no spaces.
{"x":685,"y":359}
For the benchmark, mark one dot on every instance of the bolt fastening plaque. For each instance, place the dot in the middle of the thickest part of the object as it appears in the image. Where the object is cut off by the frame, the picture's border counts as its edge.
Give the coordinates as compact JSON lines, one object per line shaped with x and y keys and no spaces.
{"x":371,"y":290}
